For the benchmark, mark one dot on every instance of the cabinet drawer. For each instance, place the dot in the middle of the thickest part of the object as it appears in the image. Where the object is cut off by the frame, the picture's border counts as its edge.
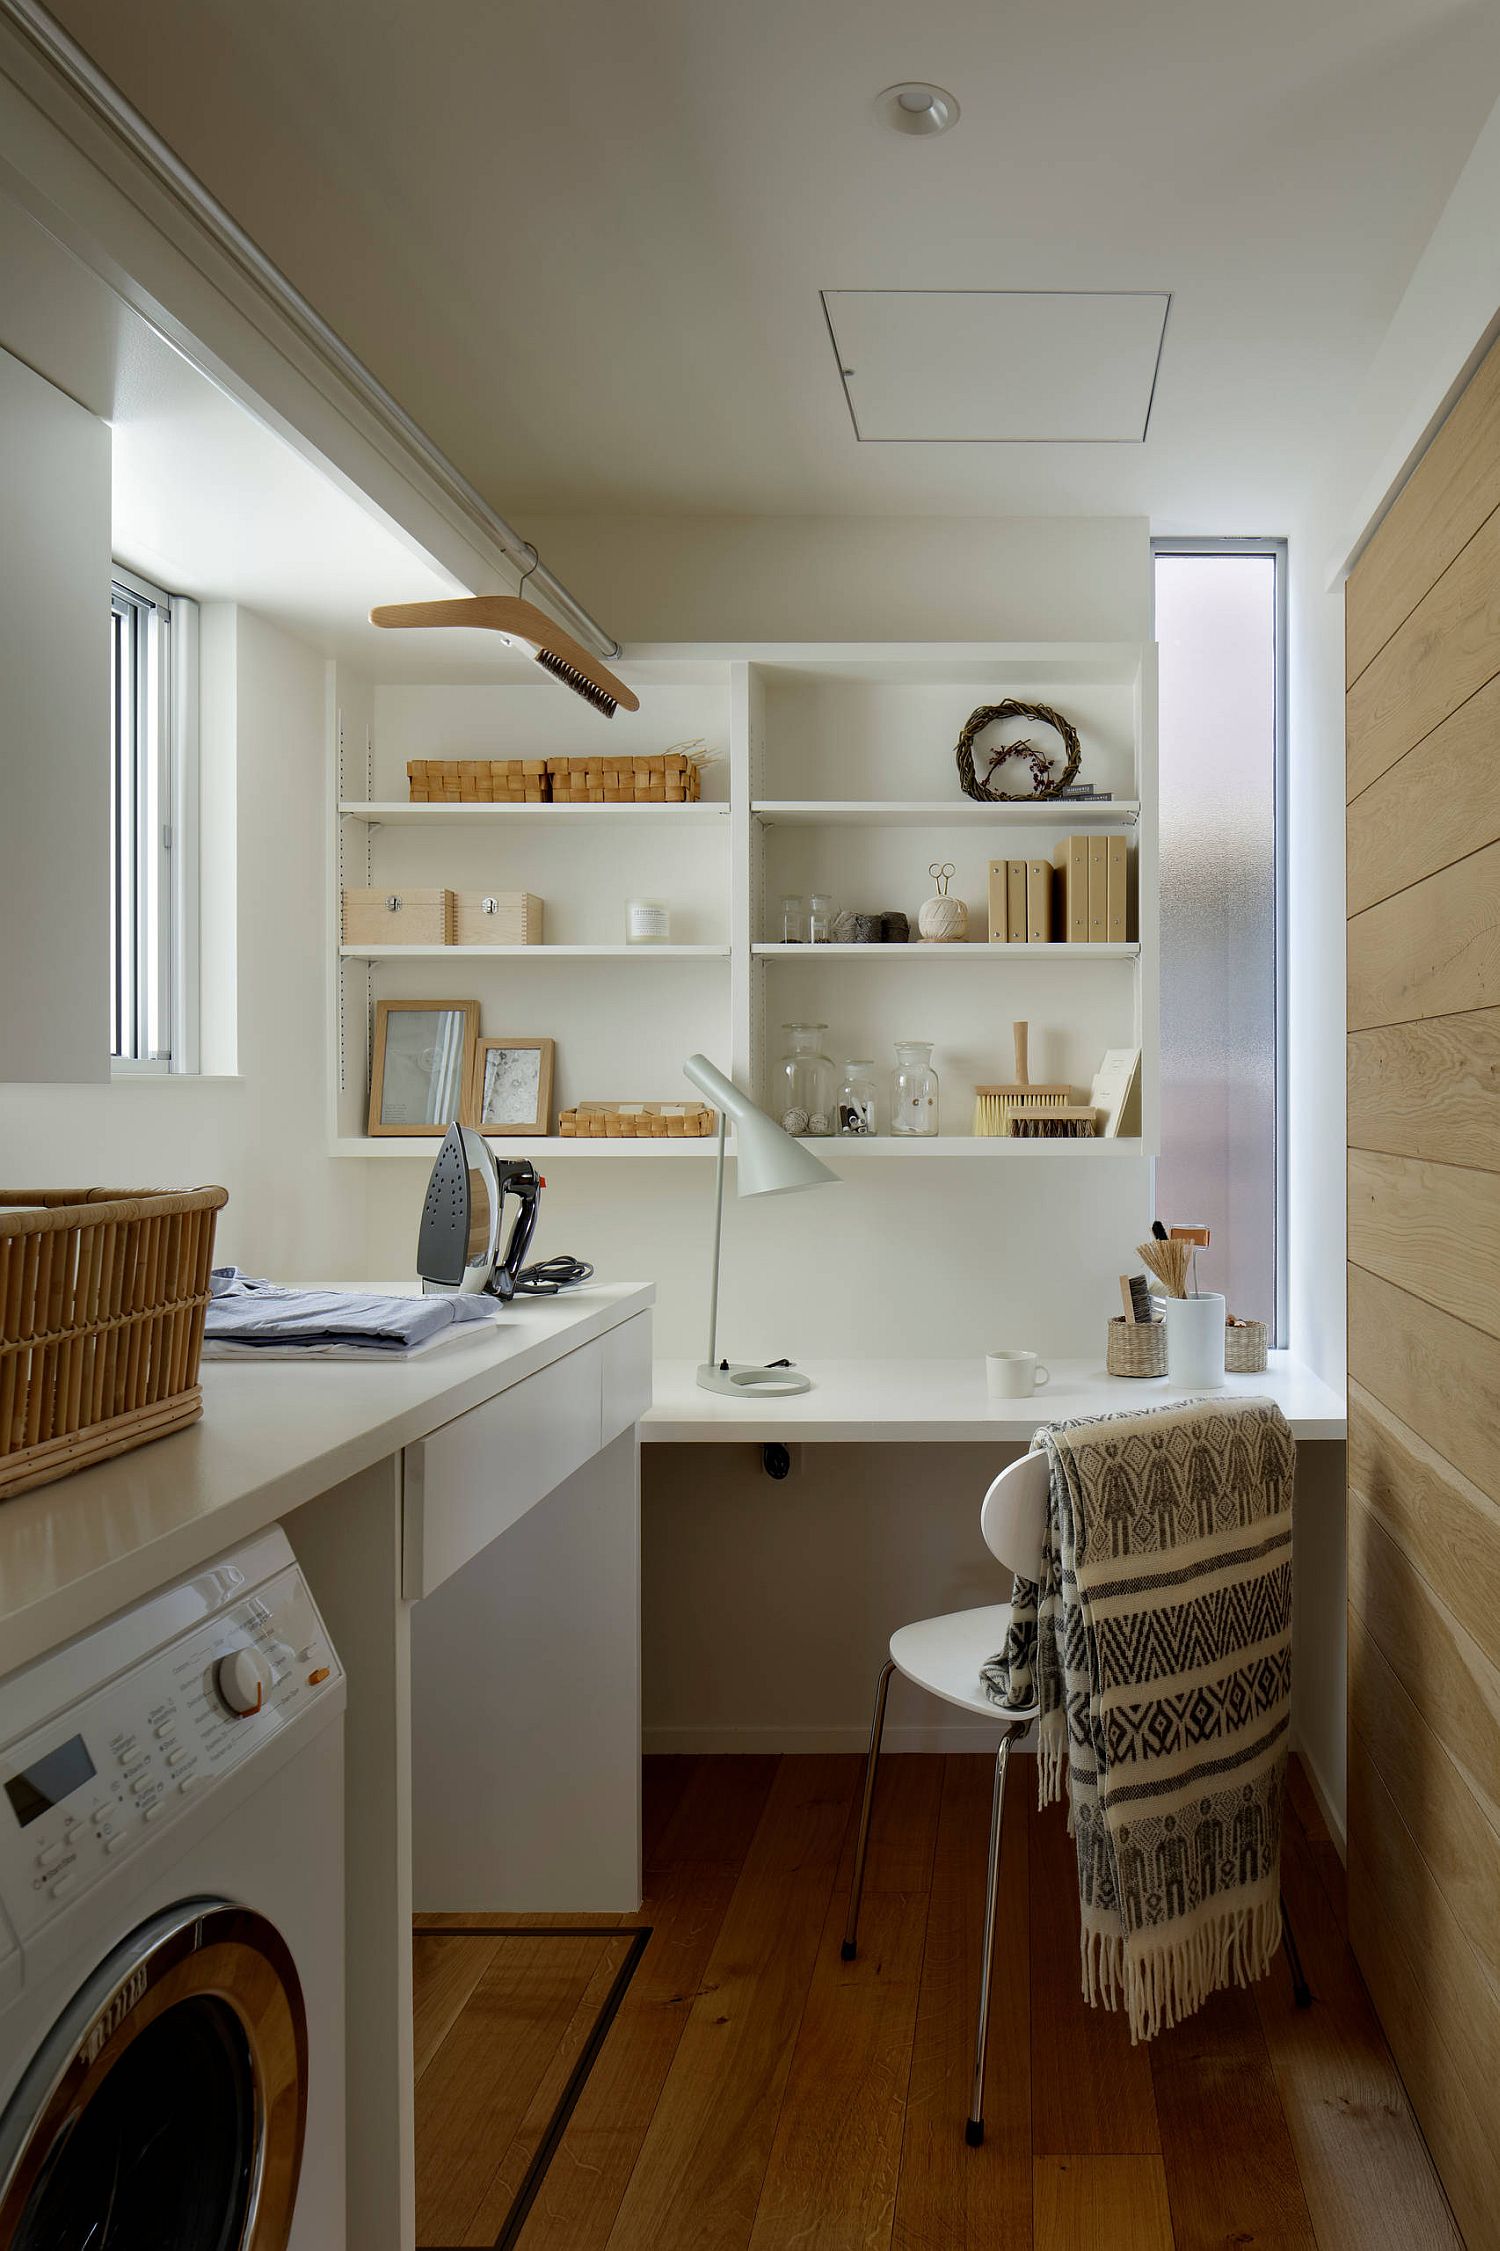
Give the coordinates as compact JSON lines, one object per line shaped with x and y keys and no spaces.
{"x":627,"y":1375}
{"x":470,"y":1480}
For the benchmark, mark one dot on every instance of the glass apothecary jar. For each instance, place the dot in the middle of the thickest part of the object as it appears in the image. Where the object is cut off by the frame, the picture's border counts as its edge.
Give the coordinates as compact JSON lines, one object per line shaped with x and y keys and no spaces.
{"x":804,"y":1082}
{"x":914,"y":1089}
{"x":855,"y":1108}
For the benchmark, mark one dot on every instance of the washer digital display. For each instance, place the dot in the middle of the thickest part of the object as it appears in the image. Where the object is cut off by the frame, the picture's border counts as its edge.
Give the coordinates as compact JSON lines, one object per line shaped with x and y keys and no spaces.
{"x":37,"y":1788}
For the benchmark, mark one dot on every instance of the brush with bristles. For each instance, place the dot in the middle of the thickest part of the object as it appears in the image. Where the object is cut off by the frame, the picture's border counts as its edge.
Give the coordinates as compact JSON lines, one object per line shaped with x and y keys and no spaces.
{"x":1169,"y":1263}
{"x":997,"y":1108}
{"x":554,"y":650}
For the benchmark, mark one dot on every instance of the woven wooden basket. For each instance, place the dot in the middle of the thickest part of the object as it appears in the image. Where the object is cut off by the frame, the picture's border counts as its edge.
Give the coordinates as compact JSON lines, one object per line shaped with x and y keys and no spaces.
{"x":1136,"y":1348}
{"x":1245,"y":1348}
{"x":637,"y":1121}
{"x":477,"y":781}
{"x":102,"y":1296}
{"x":667,"y":778}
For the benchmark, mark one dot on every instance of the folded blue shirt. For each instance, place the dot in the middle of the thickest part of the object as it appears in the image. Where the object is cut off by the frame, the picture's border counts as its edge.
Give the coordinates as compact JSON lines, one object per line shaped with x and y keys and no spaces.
{"x":244,"y":1311}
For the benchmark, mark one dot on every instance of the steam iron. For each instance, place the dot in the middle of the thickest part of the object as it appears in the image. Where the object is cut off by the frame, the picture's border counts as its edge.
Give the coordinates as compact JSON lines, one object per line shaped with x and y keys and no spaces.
{"x":458,"y":1246}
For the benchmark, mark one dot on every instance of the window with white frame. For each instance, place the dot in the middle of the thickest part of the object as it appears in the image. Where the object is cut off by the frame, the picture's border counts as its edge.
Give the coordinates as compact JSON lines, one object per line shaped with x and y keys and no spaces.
{"x":1221,"y":629}
{"x":153,"y":876}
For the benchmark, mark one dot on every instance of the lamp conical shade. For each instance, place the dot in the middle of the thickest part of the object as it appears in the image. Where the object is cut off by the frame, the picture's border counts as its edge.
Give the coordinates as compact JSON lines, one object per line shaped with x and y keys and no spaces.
{"x":768,"y":1162}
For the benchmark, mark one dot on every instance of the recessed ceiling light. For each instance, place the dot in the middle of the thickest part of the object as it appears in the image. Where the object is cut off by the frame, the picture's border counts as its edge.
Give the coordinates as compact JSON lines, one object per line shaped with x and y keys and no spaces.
{"x":916,"y":108}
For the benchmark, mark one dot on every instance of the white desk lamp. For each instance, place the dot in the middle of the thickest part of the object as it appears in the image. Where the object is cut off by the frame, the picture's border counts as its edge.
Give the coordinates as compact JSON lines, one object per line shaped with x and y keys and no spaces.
{"x":768,"y":1162}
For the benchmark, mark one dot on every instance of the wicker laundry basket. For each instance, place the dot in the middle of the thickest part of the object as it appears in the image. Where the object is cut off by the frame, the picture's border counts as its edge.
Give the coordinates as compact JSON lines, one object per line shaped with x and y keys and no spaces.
{"x":102,"y":1296}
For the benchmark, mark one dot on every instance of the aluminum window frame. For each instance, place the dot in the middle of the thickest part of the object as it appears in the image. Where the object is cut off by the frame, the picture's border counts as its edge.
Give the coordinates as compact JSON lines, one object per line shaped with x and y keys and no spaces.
{"x":1276,"y":549}
{"x":153,"y":829}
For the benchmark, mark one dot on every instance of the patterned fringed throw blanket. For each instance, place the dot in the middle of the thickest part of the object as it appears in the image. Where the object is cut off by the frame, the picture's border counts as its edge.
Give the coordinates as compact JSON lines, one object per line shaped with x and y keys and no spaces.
{"x":1158,"y":1646}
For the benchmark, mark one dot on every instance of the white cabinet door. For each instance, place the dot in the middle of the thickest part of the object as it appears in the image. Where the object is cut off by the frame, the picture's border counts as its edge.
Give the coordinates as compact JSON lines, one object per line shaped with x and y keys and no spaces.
{"x":54,"y":733}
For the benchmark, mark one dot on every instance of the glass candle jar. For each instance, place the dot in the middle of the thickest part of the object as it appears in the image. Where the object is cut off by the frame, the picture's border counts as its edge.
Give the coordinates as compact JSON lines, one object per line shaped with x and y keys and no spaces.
{"x":914,"y":1089}
{"x":822,"y":914}
{"x":794,"y":922}
{"x":648,"y":922}
{"x":804,"y":1082}
{"x":856,"y":1099}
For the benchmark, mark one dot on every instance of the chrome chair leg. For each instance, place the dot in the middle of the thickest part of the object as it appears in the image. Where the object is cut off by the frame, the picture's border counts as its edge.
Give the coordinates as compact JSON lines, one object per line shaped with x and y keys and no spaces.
{"x":974,"y":2129}
{"x":877,"y":1729}
{"x":1301,"y":1990}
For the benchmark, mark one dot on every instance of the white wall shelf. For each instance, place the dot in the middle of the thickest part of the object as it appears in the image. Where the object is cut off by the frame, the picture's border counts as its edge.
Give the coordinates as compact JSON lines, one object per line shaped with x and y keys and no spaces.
{"x":1067,"y":813}
{"x":1081,"y":956}
{"x":537,"y":953}
{"x":538,"y":1147}
{"x":658,"y":818}
{"x":833,"y":756}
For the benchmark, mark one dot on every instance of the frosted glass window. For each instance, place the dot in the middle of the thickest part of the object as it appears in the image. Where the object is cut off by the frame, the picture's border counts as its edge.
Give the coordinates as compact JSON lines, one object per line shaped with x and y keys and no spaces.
{"x":1217,"y":627}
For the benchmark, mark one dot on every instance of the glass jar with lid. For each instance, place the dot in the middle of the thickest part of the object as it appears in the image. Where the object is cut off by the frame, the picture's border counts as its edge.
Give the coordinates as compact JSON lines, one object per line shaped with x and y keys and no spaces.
{"x":856,"y":1099}
{"x":804,"y":1082}
{"x":914,"y":1089}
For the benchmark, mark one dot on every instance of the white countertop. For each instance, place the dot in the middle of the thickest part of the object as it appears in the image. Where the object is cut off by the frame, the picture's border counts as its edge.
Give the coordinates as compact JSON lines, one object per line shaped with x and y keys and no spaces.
{"x":273,"y":1435}
{"x":889,"y":1402}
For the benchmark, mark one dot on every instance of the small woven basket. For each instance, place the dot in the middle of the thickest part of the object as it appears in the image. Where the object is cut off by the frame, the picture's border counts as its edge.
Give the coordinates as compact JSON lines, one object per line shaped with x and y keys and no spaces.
{"x":102,"y":1297}
{"x":1136,"y":1348}
{"x":1245,"y":1348}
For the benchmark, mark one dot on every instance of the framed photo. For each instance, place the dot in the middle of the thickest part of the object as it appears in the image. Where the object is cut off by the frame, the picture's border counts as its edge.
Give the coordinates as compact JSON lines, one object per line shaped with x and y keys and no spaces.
{"x":511,"y":1088}
{"x":421,"y":1063}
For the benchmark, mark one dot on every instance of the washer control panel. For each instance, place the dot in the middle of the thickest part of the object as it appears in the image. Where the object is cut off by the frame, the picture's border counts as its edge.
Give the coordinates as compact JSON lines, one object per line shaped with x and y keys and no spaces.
{"x":82,"y":1793}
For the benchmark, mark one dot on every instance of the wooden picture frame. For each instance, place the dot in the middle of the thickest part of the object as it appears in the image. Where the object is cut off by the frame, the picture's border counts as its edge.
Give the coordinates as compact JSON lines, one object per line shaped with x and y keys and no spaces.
{"x":402,"y":1099}
{"x":517,"y":1093}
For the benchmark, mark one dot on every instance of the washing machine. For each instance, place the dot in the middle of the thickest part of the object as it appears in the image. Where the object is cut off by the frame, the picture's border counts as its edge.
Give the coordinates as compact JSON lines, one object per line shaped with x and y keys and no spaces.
{"x":172,"y":1925}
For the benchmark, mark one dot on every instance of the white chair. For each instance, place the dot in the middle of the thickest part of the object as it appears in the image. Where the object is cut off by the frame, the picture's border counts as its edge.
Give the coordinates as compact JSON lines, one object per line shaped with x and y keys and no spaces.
{"x":943,"y":1655}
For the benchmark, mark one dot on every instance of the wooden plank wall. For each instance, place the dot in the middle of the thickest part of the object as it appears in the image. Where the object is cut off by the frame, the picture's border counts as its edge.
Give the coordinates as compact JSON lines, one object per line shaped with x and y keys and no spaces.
{"x":1423,"y":833}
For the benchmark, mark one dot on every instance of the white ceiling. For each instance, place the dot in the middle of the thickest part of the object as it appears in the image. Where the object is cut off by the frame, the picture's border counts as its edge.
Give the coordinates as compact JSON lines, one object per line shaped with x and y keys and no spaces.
{"x":584,"y":243}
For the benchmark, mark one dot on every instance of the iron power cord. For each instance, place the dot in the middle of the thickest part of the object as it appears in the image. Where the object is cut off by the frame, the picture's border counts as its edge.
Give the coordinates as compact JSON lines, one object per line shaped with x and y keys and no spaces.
{"x":550,"y":1275}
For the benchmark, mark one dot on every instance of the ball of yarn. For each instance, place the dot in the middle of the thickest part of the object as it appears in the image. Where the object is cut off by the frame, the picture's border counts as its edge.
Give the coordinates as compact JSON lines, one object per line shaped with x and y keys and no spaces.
{"x":943,"y":920}
{"x":895,"y":930}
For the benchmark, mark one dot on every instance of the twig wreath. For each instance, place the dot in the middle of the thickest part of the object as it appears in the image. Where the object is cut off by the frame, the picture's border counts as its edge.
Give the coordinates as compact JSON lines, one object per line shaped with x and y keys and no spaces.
{"x":1044,"y":783}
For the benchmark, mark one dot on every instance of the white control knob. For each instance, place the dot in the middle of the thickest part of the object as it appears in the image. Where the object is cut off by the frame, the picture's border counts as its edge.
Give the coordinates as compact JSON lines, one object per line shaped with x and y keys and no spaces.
{"x":243,"y":1679}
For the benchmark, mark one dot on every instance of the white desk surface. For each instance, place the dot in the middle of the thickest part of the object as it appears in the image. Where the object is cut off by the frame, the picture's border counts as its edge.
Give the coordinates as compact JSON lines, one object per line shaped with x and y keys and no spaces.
{"x":273,"y":1435}
{"x":889,"y":1402}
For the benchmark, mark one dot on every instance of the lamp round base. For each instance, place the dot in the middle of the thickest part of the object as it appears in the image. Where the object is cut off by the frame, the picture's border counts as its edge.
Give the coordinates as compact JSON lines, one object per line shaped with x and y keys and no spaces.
{"x":764,"y":1383}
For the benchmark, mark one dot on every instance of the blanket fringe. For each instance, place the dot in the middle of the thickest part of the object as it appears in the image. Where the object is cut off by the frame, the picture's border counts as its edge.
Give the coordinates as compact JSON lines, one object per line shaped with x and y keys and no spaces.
{"x":1051,"y":1757}
{"x":1162,"y":1979}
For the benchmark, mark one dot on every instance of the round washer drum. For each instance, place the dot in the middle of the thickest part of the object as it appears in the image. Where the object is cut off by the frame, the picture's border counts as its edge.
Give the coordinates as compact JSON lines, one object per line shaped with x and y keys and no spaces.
{"x":168,"y":2104}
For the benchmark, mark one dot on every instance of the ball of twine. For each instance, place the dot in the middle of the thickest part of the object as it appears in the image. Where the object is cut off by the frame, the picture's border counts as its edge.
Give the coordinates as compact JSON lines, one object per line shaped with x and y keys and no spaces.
{"x":1045,"y":784}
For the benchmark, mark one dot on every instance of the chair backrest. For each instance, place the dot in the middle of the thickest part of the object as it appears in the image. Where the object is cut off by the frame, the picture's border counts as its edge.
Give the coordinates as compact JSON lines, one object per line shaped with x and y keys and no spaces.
{"x":1013,"y":1515}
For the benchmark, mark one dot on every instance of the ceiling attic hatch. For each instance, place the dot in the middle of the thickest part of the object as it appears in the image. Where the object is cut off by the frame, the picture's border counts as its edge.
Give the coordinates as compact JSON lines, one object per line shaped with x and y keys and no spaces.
{"x":998,"y":366}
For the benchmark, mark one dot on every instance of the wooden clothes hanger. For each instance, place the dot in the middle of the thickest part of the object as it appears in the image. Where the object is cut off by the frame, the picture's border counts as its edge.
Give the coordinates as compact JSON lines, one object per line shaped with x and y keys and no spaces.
{"x":554,"y":650}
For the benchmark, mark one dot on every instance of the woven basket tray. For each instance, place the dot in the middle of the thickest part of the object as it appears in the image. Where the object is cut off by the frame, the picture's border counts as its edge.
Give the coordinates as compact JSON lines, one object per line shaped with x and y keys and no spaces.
{"x":477,"y":781}
{"x":102,"y":1296}
{"x":1245,"y":1348}
{"x":1136,"y":1348}
{"x":637,"y":1121}
{"x":669,"y":778}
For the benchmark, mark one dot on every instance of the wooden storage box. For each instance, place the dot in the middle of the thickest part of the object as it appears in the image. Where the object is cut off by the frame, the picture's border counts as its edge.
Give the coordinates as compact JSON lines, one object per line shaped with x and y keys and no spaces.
{"x":669,"y":777}
{"x":637,"y":1121}
{"x":102,"y":1297}
{"x":497,"y":918}
{"x":398,"y":918}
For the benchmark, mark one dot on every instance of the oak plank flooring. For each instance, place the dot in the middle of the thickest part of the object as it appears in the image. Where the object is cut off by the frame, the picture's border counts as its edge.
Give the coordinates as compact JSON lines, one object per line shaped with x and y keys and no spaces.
{"x":1365,"y":2172}
{"x":1433,"y":950}
{"x":1091,"y":2091}
{"x":704,"y":2159}
{"x":1083,"y":2203}
{"x":1440,"y":1376}
{"x":1429,"y":1089}
{"x":1455,"y":486}
{"x":1442,"y":654}
{"x":1431,"y":1229}
{"x":953,"y":2198}
{"x":756,"y":2092}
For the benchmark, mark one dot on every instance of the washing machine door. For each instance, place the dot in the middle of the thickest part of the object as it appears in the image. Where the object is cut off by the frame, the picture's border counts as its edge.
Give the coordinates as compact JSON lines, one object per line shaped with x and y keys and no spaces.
{"x":167,"y":2105}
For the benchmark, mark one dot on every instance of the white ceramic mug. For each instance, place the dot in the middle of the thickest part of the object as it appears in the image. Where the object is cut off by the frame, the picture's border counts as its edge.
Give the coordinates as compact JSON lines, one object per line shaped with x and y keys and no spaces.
{"x":1195,"y":1340}
{"x":1014,"y":1375}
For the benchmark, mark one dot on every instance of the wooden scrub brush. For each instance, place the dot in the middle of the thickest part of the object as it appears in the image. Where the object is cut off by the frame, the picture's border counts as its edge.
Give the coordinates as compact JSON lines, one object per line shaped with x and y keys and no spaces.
{"x":554,"y":650}
{"x":1029,"y":1112}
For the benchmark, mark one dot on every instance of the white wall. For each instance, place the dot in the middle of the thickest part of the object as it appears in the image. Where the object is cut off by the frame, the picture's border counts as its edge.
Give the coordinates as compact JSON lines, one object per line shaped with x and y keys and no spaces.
{"x":261,"y":1134}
